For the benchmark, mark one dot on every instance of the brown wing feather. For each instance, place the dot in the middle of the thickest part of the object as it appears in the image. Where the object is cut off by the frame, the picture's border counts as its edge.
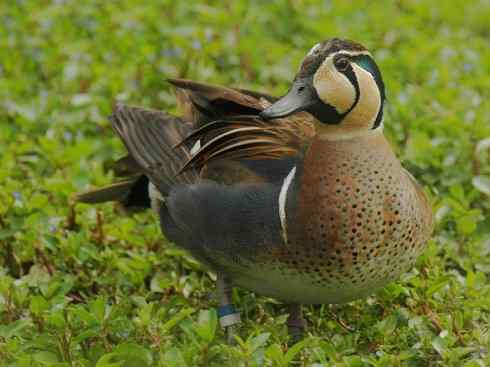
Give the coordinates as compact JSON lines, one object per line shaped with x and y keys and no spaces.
{"x":202,"y":103}
{"x":213,"y":128}
{"x":250,"y":139}
{"x":227,"y":126}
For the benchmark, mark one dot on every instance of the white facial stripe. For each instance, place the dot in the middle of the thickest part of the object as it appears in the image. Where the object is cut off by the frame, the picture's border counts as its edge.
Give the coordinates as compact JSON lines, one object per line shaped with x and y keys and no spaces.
{"x":333,"y":87}
{"x":341,"y":52}
{"x":346,"y":53}
{"x":351,"y":53}
{"x":282,"y":203}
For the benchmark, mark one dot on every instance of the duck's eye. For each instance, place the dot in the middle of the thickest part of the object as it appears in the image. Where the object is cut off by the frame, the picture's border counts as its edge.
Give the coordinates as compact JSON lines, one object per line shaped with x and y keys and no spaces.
{"x":342,"y":64}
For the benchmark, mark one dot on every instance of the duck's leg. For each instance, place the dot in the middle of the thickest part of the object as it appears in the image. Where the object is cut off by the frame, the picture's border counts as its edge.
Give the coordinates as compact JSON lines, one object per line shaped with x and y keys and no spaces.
{"x":227,"y":315}
{"x":296,"y":324}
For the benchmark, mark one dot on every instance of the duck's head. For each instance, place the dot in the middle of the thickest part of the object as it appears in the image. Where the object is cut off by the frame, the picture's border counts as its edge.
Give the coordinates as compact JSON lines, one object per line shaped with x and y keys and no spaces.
{"x":340,"y":85}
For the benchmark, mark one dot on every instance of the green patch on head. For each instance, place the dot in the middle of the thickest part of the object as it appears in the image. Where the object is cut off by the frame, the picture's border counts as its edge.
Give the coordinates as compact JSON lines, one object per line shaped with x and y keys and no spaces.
{"x":367,"y":63}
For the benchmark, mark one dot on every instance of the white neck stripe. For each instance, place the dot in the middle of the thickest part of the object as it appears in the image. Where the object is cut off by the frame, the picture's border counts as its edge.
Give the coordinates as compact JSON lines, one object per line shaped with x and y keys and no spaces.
{"x":352,"y":134}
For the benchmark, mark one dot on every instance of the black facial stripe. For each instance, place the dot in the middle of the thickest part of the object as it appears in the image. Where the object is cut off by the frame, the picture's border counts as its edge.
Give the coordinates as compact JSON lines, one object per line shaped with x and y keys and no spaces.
{"x":351,"y":75}
{"x":325,"y":113}
{"x":379,"y":117}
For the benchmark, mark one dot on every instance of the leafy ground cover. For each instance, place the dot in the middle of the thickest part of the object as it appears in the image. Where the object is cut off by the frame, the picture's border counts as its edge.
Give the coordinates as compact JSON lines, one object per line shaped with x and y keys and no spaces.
{"x":87,"y":286}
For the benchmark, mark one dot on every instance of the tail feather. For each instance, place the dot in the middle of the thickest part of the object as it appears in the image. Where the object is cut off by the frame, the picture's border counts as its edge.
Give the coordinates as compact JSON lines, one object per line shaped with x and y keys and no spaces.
{"x":150,"y":137}
{"x":125,"y":167}
{"x":118,"y":191}
{"x":130,"y":193}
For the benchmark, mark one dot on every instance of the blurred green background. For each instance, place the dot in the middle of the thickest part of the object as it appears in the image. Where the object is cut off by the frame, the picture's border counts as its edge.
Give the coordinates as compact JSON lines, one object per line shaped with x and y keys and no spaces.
{"x":88,"y":287}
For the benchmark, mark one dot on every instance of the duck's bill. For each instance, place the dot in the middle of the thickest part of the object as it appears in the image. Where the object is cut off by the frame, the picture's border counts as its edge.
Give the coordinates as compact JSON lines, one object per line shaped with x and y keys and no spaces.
{"x":301,"y":96}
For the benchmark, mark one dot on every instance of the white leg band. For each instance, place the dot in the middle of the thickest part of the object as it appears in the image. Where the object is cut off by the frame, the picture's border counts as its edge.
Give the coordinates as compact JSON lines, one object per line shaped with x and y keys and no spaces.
{"x":229,"y":320}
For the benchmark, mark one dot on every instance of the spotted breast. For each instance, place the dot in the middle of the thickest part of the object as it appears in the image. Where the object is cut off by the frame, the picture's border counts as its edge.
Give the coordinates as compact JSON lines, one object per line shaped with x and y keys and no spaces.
{"x":356,"y":221}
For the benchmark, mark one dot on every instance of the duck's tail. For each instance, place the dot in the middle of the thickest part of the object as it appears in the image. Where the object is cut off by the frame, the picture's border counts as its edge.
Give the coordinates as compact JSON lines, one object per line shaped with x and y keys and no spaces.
{"x":151,"y":138}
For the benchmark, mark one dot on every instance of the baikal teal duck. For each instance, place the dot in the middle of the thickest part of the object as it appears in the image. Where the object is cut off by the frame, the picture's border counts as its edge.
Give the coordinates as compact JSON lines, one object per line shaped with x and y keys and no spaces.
{"x":299,"y":198}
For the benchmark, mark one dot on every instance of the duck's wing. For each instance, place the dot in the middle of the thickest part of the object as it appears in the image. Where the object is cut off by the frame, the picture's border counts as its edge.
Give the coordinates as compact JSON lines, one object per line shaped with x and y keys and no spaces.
{"x":234,"y":213}
{"x":247,"y":144}
{"x":202,"y":103}
{"x":230,"y":143}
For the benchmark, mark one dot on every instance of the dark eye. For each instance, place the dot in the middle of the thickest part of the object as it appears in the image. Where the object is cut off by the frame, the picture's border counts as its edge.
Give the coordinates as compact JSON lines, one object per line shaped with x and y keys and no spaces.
{"x":342,"y":64}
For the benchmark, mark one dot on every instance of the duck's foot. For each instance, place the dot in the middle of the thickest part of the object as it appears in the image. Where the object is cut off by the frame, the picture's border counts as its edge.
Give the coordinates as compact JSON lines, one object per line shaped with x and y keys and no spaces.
{"x":228,"y":317}
{"x":296,"y":324}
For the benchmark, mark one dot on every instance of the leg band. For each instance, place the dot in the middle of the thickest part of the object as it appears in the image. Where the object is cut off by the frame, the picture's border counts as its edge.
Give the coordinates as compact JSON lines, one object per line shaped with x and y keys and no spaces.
{"x":228,"y":316}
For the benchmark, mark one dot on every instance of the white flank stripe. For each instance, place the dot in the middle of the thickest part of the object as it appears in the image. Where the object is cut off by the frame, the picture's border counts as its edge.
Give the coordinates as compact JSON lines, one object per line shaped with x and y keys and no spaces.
{"x":282,"y":203}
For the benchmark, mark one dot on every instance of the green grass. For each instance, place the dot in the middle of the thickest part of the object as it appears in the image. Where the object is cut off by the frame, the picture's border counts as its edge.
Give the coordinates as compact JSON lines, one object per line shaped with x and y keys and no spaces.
{"x":93,"y":288}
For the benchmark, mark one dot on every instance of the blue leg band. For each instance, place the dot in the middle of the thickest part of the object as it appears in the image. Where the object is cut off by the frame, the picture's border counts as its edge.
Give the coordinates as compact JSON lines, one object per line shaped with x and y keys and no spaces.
{"x":226,"y":310}
{"x":228,"y":316}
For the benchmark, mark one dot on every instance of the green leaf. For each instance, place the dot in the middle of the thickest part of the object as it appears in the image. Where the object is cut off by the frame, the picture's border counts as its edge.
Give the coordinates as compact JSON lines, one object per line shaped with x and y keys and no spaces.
{"x":439,"y":345}
{"x":275,"y":353}
{"x":45,"y":357}
{"x":457,"y":192}
{"x":353,"y":361}
{"x":134,"y":355}
{"x":98,"y":308}
{"x":258,"y":341}
{"x":109,"y":360}
{"x":295,"y":349}
{"x":87,"y":334}
{"x":38,"y":305}
{"x":177,"y":318}
{"x":466,"y":225}
{"x":387,"y":325}
{"x":85,"y":316}
{"x":145,"y":314}
{"x":174,"y":358}
{"x":12,"y":329}
{"x":206,"y":325}
{"x":439,"y":285}
{"x":57,"y":319}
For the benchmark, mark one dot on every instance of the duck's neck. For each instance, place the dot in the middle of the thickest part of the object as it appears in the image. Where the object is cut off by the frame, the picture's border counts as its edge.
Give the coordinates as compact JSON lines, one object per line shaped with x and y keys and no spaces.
{"x":333,"y":133}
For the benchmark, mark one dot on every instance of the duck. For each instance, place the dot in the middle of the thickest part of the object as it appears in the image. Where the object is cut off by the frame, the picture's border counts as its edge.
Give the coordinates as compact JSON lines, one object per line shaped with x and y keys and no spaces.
{"x":299,"y":198}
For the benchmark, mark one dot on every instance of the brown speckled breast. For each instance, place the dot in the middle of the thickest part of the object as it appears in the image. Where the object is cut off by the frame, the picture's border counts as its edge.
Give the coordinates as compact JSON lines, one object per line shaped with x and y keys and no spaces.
{"x":356,"y":220}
